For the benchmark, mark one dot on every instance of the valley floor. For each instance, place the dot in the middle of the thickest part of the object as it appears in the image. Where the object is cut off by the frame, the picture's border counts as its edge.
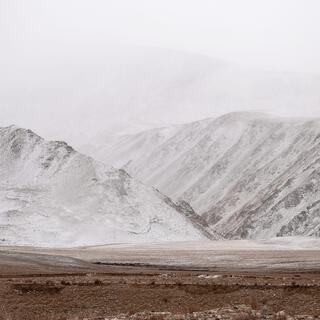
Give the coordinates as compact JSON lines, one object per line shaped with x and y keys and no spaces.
{"x":207,"y":280}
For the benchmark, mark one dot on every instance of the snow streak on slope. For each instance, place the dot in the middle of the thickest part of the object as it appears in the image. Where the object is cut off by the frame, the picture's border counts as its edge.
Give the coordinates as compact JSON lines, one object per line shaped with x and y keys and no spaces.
{"x":51,"y":195}
{"x":250,"y":175}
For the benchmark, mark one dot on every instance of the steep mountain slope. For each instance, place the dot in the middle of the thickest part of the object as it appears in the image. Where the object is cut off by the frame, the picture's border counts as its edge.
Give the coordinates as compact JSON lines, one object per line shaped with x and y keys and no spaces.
{"x":51,"y":195}
{"x":121,"y":149}
{"x":250,"y":175}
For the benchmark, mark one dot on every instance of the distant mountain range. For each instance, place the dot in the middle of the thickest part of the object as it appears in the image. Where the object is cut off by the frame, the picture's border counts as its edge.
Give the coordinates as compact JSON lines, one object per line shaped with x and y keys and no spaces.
{"x":249,"y":175}
{"x":51,"y":195}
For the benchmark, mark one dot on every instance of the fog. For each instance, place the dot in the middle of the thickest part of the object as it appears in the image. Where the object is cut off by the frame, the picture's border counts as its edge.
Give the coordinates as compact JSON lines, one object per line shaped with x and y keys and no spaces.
{"x":72,"y":68}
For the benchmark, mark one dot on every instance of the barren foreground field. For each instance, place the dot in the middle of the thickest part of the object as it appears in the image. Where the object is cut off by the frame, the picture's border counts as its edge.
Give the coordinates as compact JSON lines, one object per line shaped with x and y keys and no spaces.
{"x":168,"y":281}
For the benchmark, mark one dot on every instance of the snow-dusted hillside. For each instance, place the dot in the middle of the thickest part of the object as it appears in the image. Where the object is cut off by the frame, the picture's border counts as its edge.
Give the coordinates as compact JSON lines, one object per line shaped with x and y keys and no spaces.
{"x":250,"y":175}
{"x":51,"y":195}
{"x":121,"y":149}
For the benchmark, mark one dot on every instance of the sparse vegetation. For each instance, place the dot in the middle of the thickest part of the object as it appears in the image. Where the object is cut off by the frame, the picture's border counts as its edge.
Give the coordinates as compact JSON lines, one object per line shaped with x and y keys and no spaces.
{"x":134,"y":295}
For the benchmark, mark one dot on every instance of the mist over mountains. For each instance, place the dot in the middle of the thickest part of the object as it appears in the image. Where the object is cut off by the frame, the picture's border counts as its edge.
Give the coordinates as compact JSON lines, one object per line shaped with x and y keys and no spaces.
{"x":126,"y":89}
{"x":239,"y":175}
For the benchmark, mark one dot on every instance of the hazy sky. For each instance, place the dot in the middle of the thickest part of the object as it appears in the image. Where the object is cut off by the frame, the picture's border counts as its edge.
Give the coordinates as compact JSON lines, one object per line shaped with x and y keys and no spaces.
{"x":270,"y":33}
{"x":43,"y":42}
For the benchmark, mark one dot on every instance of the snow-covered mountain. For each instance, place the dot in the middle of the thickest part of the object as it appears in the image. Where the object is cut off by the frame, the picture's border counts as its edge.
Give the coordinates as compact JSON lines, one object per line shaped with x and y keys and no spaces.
{"x":250,"y":175}
{"x":122,"y":149}
{"x":51,"y":195}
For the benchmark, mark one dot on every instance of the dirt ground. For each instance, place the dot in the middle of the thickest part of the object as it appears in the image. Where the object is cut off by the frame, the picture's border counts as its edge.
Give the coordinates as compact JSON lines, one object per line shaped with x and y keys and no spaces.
{"x":133,"y":290}
{"x":34,"y":286}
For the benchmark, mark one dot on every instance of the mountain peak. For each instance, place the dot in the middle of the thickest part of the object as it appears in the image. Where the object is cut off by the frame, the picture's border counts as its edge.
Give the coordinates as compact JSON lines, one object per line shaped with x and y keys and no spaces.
{"x":51,"y":195}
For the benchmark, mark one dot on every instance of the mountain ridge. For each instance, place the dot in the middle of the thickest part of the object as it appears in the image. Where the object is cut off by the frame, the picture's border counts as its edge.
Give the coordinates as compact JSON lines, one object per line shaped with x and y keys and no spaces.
{"x":51,"y":195}
{"x":250,"y":175}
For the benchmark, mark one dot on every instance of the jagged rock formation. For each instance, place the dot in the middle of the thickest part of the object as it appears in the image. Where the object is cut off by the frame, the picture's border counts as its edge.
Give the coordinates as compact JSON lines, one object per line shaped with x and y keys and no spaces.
{"x":249,"y":175}
{"x":51,"y":195}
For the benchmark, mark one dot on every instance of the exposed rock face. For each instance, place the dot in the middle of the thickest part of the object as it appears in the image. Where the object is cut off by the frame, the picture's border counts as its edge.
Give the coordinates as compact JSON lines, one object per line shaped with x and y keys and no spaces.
{"x":249,"y":175}
{"x":51,"y":195}
{"x":196,"y":220}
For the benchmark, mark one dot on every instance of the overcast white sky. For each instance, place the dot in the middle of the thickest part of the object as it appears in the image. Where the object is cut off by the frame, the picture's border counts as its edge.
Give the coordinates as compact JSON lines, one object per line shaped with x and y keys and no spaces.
{"x":280,"y":34}
{"x":38,"y":35}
